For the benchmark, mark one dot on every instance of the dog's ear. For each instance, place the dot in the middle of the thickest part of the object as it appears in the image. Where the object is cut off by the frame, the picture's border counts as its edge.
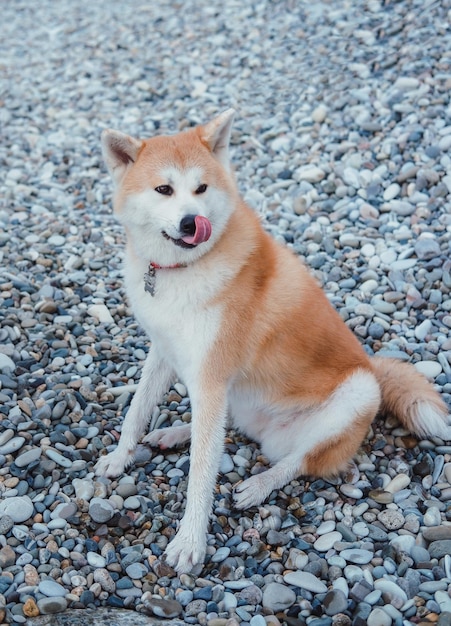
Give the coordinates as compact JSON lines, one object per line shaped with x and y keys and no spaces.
{"x":119,"y":151}
{"x":216,"y":134}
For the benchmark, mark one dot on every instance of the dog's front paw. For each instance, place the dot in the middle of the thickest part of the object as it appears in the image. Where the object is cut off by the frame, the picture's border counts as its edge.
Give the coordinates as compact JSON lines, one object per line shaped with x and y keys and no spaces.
{"x":112,"y":464}
{"x":185,"y":551}
{"x":250,"y":492}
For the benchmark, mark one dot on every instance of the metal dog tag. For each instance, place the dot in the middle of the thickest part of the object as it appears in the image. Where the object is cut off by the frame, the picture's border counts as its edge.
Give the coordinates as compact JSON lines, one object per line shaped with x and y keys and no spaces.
{"x":149,"y":280}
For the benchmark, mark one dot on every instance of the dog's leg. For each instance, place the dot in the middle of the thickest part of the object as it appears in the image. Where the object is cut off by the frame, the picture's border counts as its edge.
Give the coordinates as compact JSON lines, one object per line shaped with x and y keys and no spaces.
{"x":319,"y":443}
{"x":207,"y":440}
{"x":254,"y":490}
{"x":155,"y":380}
{"x":169,"y":437}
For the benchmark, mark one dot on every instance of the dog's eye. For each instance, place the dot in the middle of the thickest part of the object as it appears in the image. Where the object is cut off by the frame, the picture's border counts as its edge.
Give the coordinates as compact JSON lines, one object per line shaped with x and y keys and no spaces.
{"x":201,"y":189}
{"x":165,"y":190}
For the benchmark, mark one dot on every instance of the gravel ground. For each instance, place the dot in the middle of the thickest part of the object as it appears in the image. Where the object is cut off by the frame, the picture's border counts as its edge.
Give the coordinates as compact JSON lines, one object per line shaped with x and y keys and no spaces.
{"x":342,"y":143}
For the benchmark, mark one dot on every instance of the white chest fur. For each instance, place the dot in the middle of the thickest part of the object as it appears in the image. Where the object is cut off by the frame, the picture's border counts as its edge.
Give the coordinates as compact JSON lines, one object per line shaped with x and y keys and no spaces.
{"x":179,"y":318}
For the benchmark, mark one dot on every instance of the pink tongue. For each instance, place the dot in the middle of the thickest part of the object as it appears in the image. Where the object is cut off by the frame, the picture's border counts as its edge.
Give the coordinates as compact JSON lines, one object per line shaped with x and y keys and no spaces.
{"x":202,"y":233}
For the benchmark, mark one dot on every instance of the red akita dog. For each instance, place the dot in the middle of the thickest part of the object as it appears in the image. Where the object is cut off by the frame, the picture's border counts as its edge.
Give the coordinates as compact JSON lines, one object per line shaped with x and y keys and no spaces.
{"x":240,"y":320}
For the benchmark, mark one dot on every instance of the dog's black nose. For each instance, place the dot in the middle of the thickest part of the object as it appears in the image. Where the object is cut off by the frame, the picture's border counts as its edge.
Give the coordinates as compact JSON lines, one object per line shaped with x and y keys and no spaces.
{"x":188,"y":225}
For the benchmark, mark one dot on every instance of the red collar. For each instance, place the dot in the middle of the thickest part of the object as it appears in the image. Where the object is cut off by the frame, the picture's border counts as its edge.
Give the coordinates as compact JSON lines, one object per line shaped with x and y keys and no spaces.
{"x":155,"y":266}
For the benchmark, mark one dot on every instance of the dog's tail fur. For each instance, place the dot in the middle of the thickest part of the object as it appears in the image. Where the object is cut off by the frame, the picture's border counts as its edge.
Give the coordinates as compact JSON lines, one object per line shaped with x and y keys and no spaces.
{"x":411,"y":398}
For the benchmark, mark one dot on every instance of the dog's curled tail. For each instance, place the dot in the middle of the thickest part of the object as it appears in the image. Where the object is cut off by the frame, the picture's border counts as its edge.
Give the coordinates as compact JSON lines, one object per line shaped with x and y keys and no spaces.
{"x":411,"y":398}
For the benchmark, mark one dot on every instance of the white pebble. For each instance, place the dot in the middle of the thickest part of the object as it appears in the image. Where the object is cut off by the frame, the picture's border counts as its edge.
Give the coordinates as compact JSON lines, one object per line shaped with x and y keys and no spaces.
{"x":305,"y":580}
{"x":430,"y":369}
{"x":399,"y":482}
{"x":327,"y":541}
{"x":101,"y":313}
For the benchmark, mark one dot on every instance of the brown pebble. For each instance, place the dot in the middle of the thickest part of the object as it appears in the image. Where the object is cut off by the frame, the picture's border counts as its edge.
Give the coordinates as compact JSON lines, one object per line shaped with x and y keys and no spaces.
{"x":30,"y":608}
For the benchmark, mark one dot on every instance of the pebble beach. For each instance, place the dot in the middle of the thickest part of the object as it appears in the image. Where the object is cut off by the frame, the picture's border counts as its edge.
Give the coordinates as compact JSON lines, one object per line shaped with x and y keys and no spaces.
{"x":342,"y":143}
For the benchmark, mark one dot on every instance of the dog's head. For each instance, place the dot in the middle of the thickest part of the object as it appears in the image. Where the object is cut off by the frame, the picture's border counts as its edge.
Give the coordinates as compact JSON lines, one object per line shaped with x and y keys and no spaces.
{"x":174,"y":194}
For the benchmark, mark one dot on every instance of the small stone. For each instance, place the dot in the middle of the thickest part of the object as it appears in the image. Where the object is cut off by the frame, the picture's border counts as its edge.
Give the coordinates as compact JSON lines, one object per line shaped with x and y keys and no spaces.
{"x":392,"y":191}
{"x":278,"y":597}
{"x":28,"y":457}
{"x":220,"y":555}
{"x":103,"y":577}
{"x":440,"y":548}
{"x":391,"y":590}
{"x":100,"y":510}
{"x":426,"y":248}
{"x":391,"y":519}
{"x":19,"y":509}
{"x":95,"y":560}
{"x":7,"y":557}
{"x":132,"y":503}
{"x":444,"y":601}
{"x":51,"y":588}
{"x":250,"y":595}
{"x":335,"y":602}
{"x":305,"y":580}
{"x":7,"y":365}
{"x":419,"y":554}
{"x":406,"y":83}
{"x":58,"y":458}
{"x":357,"y":555}
{"x":436,"y":533}
{"x":49,"y":606}
{"x":430,"y":369}
{"x":432,"y":517}
{"x":84,"y":489}
{"x":6,"y":523}
{"x":101,"y":313}
{"x":319,"y":114}
{"x":297,"y":559}
{"x":136,"y":571}
{"x":310,"y":174}
{"x":12,"y":445}
{"x":30,"y":608}
{"x":378,"y":617}
{"x":166,"y":608}
{"x":326,"y":542}
{"x":401,"y":481}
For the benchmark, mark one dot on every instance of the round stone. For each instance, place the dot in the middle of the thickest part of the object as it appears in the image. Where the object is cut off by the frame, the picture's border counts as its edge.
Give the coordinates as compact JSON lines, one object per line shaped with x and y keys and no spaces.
{"x":51,"y":588}
{"x":430,"y":369}
{"x":335,"y":602}
{"x":327,"y":541}
{"x":379,"y":617}
{"x":391,"y":519}
{"x":19,"y":508}
{"x":278,"y":597}
{"x":440,"y":548}
{"x":132,"y":503}
{"x":49,"y":606}
{"x":100,"y":510}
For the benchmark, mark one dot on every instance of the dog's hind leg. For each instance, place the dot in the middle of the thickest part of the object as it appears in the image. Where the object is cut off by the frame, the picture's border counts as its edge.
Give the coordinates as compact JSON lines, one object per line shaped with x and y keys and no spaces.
{"x":318,"y":444}
{"x":155,"y":380}
{"x":169,"y":437}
